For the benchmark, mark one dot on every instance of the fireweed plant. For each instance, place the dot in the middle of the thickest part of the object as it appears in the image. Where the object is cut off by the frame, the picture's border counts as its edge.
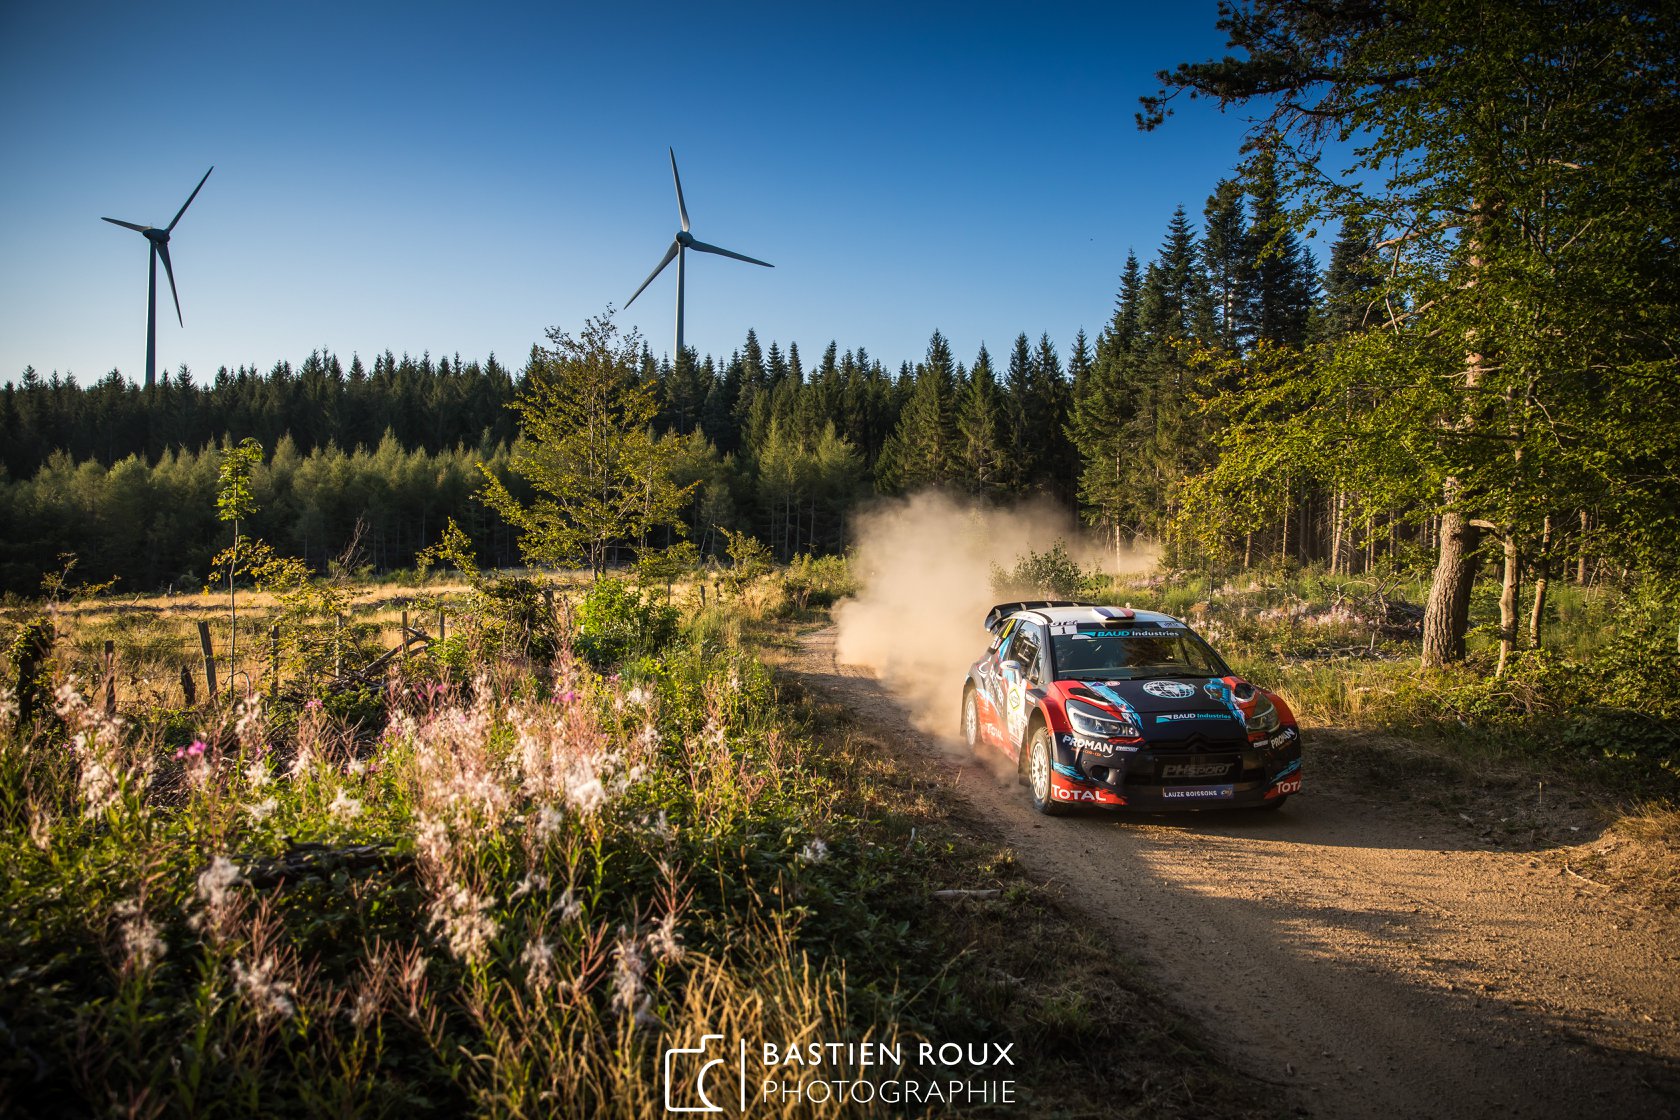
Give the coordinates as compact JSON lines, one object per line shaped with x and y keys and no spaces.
{"x":506,"y":902}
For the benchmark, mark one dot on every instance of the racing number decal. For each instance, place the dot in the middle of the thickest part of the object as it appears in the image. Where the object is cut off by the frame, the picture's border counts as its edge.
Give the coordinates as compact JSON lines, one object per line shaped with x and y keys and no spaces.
{"x":1017,"y":716}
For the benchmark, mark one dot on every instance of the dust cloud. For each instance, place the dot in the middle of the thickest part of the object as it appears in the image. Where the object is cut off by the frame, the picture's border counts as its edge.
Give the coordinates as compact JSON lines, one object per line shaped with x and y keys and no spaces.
{"x":924,"y":569}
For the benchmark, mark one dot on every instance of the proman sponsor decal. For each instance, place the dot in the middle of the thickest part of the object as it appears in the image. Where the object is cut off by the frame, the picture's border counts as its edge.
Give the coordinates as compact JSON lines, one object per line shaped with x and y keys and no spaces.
{"x":1169,"y":690}
{"x":1097,"y":746}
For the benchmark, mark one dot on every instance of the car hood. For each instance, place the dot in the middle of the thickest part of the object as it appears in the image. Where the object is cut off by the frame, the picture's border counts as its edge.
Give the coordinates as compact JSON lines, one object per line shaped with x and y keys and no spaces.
{"x":1209,"y":696}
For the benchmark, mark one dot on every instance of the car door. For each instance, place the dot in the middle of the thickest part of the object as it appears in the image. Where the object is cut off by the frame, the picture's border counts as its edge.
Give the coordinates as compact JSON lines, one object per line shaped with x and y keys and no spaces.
{"x":989,"y":676}
{"x":1022,"y":673}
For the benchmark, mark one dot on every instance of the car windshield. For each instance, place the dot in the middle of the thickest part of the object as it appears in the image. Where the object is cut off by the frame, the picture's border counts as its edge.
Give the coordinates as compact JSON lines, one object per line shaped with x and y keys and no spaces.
{"x":1130,"y":654}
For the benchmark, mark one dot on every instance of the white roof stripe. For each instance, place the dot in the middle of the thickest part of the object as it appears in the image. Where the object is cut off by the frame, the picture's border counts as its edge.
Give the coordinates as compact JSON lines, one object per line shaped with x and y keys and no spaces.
{"x":1094,"y":615}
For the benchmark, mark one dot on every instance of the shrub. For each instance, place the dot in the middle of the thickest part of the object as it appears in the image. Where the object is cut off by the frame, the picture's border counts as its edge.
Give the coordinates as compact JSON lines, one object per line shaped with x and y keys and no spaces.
{"x":1054,"y":573}
{"x":819,"y":581}
{"x":615,"y":621}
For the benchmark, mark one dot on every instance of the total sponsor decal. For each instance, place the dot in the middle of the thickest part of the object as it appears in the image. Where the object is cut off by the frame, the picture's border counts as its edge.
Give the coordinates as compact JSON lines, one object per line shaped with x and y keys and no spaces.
{"x":1169,"y":690}
{"x":1092,"y":796}
{"x":1288,"y":781}
{"x":1198,"y":793}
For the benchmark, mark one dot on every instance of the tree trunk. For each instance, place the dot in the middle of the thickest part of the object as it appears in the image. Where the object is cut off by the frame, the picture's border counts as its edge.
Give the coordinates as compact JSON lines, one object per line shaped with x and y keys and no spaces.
{"x":1447,"y":613}
{"x":1510,"y":601}
{"x":1338,"y":510}
{"x":233,"y":613}
{"x":1581,"y":551}
{"x":1283,"y":547}
{"x":1542,"y":576}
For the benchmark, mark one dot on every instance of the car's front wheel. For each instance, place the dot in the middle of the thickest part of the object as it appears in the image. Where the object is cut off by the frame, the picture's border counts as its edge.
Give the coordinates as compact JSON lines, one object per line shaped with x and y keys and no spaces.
{"x":1041,"y":763}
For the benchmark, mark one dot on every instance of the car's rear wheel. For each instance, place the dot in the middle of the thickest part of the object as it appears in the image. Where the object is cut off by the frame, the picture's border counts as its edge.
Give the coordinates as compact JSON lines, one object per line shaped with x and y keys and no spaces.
{"x":1041,"y":762}
{"x":971,"y":718}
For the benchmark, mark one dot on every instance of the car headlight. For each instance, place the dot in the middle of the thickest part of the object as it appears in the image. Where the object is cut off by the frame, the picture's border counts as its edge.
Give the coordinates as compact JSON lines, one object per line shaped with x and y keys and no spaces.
{"x":1094,"y":723}
{"x":1264,"y":717}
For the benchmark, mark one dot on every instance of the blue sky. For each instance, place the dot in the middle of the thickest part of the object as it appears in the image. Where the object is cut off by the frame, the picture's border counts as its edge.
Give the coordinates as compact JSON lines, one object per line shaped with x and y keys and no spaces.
{"x":457,"y":178}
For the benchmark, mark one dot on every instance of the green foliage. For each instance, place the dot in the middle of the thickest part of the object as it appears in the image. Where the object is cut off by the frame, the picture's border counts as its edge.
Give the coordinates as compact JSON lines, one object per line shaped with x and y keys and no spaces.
{"x":615,"y":621}
{"x":454,"y":548}
{"x":1053,"y":574}
{"x":819,"y":581}
{"x":748,"y":558}
{"x":235,"y":499}
{"x":663,"y":565}
{"x":588,"y":453}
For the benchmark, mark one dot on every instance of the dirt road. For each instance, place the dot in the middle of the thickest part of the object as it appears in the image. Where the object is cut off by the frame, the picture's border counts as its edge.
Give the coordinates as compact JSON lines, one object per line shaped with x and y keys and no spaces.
{"x":1377,"y":960}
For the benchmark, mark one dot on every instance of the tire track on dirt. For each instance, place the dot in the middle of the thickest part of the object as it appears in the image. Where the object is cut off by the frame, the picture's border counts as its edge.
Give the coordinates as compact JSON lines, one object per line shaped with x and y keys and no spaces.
{"x":1366,"y":955}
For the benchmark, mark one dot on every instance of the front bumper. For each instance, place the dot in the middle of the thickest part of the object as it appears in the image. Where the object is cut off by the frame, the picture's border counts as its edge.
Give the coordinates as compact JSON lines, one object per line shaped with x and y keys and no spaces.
{"x":1173,"y":776}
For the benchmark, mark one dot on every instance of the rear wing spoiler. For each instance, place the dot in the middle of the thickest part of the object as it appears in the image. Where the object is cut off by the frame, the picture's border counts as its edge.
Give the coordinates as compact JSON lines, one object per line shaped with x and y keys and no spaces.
{"x":995,"y":616}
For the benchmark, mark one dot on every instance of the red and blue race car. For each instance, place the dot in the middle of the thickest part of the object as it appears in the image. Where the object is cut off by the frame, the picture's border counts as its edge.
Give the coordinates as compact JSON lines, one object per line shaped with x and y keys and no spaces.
{"x":1107,"y":706}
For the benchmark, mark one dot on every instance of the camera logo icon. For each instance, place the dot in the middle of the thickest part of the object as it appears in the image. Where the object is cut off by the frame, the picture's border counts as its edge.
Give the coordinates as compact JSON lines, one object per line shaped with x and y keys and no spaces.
{"x":689,"y":1071}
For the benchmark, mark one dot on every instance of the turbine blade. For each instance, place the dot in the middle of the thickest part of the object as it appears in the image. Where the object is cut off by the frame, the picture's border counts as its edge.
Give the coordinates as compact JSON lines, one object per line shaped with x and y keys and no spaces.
{"x":681,"y":209}
{"x":669,"y":254}
{"x":188,"y":202}
{"x":127,"y":225}
{"x":163,"y":251}
{"x":705,"y":248}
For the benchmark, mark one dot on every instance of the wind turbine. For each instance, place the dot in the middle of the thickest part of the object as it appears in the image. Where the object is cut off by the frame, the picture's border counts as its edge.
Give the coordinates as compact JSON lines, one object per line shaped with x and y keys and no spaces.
{"x":681,"y":244}
{"x":159,"y":239}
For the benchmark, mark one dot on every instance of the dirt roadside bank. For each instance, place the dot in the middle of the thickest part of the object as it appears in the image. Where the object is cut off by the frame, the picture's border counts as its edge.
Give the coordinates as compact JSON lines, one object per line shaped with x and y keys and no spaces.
{"x":1369,"y":958}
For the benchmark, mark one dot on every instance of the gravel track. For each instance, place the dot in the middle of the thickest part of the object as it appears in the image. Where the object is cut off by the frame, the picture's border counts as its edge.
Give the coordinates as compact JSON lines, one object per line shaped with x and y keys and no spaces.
{"x":1372,"y":959}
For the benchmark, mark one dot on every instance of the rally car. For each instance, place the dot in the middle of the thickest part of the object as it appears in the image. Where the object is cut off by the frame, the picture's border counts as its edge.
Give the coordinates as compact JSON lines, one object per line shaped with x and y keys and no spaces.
{"x":1109,"y":706}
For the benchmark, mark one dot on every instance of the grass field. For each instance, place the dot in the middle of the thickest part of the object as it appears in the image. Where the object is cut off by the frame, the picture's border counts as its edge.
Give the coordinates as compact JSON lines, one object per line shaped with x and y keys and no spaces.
{"x":507,"y":881}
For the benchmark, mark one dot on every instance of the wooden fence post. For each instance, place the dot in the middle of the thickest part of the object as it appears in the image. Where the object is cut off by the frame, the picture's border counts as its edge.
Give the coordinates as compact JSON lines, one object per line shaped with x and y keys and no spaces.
{"x":209,"y":658}
{"x":403,"y":638}
{"x":274,"y":662}
{"x":440,"y":624}
{"x":188,"y":689}
{"x":110,"y":677}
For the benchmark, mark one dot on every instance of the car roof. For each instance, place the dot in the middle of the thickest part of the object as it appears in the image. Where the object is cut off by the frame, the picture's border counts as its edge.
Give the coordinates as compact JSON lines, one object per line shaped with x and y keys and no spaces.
{"x":1093,"y":614}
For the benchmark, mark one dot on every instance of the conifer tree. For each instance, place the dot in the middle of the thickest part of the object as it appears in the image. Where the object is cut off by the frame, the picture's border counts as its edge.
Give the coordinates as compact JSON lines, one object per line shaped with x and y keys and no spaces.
{"x":921,"y":450}
{"x":1228,"y":259}
{"x":981,"y":457}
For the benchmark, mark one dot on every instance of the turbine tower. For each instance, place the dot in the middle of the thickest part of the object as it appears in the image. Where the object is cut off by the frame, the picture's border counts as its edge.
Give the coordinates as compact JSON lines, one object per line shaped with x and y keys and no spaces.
{"x":159,"y":239}
{"x":683,"y":242}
